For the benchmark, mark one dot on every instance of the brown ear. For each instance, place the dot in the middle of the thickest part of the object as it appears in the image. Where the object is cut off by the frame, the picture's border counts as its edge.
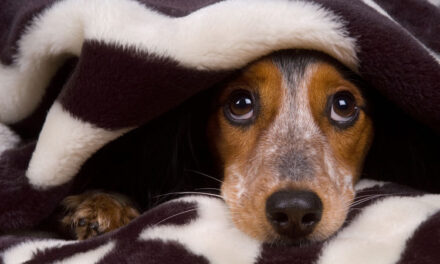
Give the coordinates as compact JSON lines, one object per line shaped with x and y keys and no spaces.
{"x":130,"y":213}
{"x":71,"y":203}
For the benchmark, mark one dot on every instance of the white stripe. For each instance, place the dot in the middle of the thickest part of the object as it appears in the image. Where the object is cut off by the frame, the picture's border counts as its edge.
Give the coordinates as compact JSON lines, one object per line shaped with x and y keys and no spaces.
{"x":8,"y":139}
{"x":379,"y":233}
{"x":435,"y":2}
{"x":367,"y":183}
{"x":216,"y":37}
{"x":22,"y":88}
{"x":89,"y":257}
{"x":64,"y":144}
{"x":26,"y":250}
{"x":212,"y":234}
{"x":379,"y":9}
{"x":376,"y":7}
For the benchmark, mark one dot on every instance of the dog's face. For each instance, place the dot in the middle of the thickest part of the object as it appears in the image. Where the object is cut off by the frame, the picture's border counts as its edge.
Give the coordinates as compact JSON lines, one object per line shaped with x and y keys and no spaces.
{"x":291,"y":134}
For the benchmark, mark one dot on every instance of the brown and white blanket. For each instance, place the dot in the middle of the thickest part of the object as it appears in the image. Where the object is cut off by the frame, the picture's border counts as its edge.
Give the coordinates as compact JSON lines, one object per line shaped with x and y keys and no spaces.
{"x":76,"y":75}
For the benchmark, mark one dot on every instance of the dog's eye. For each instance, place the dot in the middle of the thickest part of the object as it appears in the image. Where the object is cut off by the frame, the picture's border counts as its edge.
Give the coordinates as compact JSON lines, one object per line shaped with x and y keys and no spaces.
{"x":82,"y":222}
{"x":240,"y":106}
{"x":343,"y":107}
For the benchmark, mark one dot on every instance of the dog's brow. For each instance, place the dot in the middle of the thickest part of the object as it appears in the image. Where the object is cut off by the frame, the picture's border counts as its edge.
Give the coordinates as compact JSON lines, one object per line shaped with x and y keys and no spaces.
{"x":292,"y":67}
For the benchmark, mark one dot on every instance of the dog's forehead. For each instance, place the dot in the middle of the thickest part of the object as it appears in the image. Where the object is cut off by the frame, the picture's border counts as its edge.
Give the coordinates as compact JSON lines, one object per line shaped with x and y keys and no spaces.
{"x":295,"y":117}
{"x":292,"y":67}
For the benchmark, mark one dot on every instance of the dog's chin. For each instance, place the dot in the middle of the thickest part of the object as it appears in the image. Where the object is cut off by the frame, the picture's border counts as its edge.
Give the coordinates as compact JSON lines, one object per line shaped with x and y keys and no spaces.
{"x":312,"y":239}
{"x":289,"y":242}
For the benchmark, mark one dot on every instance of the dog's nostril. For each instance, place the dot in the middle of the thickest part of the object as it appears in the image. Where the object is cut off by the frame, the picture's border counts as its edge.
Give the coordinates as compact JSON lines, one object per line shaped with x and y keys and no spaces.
{"x":293,"y":213}
{"x":310,"y":219}
{"x":280,"y":218}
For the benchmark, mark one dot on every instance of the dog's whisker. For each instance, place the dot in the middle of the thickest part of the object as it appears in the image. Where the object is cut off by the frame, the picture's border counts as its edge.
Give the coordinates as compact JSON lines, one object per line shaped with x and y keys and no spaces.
{"x":389,"y":194}
{"x":175,"y":215}
{"x":376,"y":196}
{"x":213,"y":189}
{"x":183,"y":193}
{"x":365,"y":198}
{"x":369,"y":198}
{"x":204,"y":174}
{"x":355,"y":209}
{"x":369,"y":195}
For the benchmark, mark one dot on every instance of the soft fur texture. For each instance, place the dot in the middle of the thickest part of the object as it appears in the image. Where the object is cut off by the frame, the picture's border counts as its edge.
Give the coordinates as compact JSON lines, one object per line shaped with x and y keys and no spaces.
{"x":197,"y":229}
{"x":76,"y":75}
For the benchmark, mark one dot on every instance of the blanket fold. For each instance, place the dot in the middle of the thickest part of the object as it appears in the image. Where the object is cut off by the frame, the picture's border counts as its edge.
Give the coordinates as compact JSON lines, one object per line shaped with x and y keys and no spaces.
{"x":76,"y":75}
{"x":167,"y":234}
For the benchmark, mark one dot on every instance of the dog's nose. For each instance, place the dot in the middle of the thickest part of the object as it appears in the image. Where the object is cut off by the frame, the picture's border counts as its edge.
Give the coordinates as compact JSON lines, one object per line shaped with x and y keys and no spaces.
{"x":294,"y":213}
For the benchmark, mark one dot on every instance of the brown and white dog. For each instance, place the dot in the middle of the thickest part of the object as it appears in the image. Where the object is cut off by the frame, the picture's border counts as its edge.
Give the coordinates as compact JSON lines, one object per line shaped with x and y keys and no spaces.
{"x":290,"y":135}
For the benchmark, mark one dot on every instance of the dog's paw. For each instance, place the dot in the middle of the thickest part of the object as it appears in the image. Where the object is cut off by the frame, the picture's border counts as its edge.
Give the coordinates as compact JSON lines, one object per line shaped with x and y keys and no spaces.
{"x":94,"y":213}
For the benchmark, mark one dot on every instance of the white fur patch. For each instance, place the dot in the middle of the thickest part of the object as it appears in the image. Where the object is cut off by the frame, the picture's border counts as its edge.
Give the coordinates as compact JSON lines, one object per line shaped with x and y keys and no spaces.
{"x":348,"y":182}
{"x":25,"y":251}
{"x":89,"y":257}
{"x":367,"y":183}
{"x":212,"y":234}
{"x":239,"y":187}
{"x":379,"y":233}
{"x":8,"y":139}
{"x":214,"y":37}
{"x":64,"y":144}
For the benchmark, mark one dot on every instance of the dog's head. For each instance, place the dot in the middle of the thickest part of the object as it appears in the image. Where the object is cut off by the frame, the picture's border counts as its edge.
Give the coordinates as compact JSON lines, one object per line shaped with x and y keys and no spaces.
{"x":291,"y":133}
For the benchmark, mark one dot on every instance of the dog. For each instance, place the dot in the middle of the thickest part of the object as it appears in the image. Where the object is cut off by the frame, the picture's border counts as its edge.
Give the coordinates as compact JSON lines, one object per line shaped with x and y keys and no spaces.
{"x":289,"y":134}
{"x":96,"y":212}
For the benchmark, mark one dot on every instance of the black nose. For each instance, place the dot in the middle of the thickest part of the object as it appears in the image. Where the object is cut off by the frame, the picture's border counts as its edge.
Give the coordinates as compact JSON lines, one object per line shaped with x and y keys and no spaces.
{"x":294,"y":213}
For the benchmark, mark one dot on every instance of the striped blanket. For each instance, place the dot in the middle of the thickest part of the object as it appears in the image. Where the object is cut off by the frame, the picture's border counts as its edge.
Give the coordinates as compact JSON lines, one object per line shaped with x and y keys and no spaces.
{"x":76,"y":75}
{"x":388,"y":224}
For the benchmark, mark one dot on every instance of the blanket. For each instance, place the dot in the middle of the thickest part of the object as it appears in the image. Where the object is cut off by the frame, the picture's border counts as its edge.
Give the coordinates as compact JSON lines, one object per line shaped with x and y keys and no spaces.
{"x":198,"y":229}
{"x":77,"y":75}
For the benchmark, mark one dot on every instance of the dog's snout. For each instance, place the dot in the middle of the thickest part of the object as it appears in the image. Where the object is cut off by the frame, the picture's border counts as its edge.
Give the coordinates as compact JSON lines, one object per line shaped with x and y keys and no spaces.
{"x":294,"y":213}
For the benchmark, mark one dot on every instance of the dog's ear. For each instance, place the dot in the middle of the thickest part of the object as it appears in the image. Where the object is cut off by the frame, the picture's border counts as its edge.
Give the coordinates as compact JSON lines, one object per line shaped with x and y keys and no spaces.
{"x":66,"y":211}
{"x":129,"y":214}
{"x":129,"y":209}
{"x":71,"y":203}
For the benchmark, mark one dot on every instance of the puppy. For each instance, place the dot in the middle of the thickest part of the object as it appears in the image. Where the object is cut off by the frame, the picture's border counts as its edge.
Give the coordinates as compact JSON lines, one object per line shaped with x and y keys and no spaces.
{"x":289,"y":134}
{"x":95,"y":212}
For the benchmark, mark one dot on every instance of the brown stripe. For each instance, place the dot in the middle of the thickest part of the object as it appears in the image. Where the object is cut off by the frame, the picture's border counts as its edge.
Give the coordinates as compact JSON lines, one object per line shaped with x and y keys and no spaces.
{"x":116,"y":88}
